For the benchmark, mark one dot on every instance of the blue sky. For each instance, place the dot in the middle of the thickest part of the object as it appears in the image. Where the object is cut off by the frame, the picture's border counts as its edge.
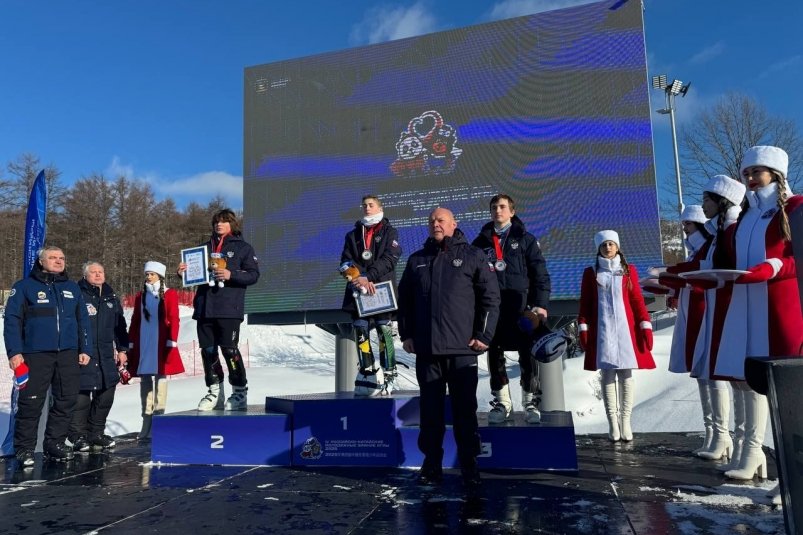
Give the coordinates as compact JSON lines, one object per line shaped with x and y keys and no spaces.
{"x":154,"y":89}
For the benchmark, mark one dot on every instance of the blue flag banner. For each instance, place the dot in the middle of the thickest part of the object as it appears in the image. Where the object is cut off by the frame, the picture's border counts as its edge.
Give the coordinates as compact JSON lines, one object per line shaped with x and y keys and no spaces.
{"x":35,"y":227}
{"x":35,"y":232}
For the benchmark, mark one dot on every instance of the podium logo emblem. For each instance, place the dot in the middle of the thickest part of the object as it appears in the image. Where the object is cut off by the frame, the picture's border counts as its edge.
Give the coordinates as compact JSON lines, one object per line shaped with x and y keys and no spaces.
{"x":311,"y":449}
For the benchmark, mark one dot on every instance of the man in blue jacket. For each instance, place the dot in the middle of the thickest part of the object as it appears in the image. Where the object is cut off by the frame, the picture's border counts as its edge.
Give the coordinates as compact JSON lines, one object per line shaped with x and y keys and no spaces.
{"x":448,"y":309}
{"x":47,"y":330}
{"x":220,"y":309}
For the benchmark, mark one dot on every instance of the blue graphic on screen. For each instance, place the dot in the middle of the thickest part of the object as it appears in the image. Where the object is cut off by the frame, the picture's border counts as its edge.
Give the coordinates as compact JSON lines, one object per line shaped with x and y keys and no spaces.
{"x":551,"y":109}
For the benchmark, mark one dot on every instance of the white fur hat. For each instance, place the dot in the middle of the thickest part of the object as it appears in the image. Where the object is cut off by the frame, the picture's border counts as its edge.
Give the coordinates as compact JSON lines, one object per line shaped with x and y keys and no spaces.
{"x":725,"y":186}
{"x":693,"y":213}
{"x":156,"y":267}
{"x":606,"y":235}
{"x":766,"y":156}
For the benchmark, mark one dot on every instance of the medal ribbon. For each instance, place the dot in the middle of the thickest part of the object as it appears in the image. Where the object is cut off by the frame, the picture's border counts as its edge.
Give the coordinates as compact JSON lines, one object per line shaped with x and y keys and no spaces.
{"x":498,"y":247}
{"x":219,"y":245}
{"x":369,"y":235}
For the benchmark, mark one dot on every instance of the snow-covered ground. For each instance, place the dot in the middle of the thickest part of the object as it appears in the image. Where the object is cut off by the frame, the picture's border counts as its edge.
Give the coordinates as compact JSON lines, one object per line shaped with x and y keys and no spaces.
{"x":299,"y":359}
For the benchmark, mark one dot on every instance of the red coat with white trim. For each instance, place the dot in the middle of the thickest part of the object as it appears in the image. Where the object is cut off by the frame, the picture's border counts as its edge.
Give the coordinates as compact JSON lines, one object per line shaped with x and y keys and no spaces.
{"x":691,"y":310}
{"x":169,"y":357}
{"x":635,"y":310}
{"x":764,"y":319}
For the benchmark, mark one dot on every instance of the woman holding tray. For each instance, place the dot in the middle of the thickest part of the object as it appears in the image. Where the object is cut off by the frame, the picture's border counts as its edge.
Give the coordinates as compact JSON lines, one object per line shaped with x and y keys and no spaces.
{"x":764,"y":318}
{"x":615,"y":329}
{"x":722,"y":197}
{"x":690,"y":310}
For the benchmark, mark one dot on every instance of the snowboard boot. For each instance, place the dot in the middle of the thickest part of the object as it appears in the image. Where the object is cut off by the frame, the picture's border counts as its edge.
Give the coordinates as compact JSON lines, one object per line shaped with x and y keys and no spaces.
{"x":501,"y":406}
{"x":214,"y":398}
{"x":238,"y":401}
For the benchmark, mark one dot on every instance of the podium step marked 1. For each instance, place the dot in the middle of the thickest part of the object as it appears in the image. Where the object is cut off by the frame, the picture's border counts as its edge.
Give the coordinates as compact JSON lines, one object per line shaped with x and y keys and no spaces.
{"x":337,"y":429}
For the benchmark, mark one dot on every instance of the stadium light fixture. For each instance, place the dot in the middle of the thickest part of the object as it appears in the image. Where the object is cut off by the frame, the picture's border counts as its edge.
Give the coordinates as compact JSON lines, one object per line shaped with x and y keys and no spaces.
{"x":671,"y":90}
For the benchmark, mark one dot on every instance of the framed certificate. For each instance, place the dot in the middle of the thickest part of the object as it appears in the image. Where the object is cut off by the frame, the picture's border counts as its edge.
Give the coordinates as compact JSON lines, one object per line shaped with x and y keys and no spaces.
{"x":197,"y":260}
{"x":384,"y":300}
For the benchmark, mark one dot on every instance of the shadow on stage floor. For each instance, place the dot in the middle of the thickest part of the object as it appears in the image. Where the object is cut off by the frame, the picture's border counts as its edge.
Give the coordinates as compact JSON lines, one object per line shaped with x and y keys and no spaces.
{"x":651,"y":485}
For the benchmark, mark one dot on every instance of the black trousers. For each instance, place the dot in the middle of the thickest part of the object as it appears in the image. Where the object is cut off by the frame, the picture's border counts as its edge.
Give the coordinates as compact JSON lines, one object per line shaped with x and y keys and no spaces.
{"x":91,"y":410}
{"x":459,"y":373}
{"x":225,"y":333}
{"x":530,"y":380}
{"x":60,"y":372}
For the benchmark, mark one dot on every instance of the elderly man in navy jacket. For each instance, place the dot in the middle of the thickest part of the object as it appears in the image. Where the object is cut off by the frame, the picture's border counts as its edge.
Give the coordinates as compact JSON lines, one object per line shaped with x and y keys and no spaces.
{"x":46,"y":330}
{"x":448,"y":309}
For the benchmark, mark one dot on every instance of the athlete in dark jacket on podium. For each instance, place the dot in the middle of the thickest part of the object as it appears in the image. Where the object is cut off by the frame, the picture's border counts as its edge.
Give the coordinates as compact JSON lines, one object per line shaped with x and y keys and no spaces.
{"x":515,"y":255}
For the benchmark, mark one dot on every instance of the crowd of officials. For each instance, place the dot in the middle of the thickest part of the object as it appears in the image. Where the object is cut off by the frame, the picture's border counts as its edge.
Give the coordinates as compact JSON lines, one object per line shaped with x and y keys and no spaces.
{"x":456,"y":300}
{"x":71,"y":339}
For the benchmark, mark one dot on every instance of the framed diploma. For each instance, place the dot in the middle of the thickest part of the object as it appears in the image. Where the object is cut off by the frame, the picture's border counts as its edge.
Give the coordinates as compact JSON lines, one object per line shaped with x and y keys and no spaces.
{"x":384,"y":300}
{"x":197,"y":260}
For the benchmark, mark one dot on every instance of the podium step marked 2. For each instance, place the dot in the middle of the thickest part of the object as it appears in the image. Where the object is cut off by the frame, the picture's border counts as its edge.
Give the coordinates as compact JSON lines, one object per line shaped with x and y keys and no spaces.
{"x":337,"y":429}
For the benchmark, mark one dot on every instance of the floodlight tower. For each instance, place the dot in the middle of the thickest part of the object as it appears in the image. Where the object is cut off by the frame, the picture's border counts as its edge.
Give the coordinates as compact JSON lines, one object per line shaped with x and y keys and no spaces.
{"x":671,"y":90}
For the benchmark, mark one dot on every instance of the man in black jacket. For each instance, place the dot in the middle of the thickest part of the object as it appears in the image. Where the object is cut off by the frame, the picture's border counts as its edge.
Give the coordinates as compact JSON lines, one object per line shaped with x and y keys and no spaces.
{"x":373,"y":247}
{"x":515,"y":255}
{"x":220,"y":309}
{"x":448,"y":308}
{"x":109,"y":344}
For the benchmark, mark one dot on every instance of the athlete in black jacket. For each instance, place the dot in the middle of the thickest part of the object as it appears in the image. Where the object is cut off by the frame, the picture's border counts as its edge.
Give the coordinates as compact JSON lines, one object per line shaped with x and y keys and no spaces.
{"x":373,"y":247}
{"x":219,"y":311}
{"x":515,"y":255}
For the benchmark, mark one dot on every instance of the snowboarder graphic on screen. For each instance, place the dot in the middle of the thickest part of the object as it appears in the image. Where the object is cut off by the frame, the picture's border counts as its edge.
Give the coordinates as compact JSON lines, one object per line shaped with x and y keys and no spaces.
{"x":372,"y":247}
{"x":219,"y":311}
{"x":515,"y":256}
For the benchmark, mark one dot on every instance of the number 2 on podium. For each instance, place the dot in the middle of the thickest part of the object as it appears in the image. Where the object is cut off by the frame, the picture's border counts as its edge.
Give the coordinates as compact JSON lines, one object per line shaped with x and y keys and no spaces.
{"x":217,"y":442}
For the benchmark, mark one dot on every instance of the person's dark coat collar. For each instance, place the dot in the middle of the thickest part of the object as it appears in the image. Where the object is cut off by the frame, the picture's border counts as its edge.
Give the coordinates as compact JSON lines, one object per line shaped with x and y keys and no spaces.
{"x":39,"y":274}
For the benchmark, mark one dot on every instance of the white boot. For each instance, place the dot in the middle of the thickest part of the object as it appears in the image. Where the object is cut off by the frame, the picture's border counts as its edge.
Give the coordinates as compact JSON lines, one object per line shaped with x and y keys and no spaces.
{"x":721,"y":444}
{"x":531,"y":413}
{"x":238,"y":401}
{"x":214,"y":398}
{"x":146,"y":395}
{"x":501,"y":406}
{"x":628,"y":393}
{"x":738,"y":431}
{"x":160,"y":394}
{"x":756,"y":411}
{"x":775,"y":495}
{"x":609,"y":398}
{"x":708,"y":418}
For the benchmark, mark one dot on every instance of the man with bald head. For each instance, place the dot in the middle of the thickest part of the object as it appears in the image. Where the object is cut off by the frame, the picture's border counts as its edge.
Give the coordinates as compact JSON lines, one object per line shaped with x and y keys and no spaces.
{"x":448,"y":308}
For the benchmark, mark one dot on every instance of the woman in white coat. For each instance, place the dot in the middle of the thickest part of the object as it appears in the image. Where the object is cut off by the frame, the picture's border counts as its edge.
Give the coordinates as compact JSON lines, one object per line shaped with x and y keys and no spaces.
{"x":764,"y":317}
{"x":722,"y":197}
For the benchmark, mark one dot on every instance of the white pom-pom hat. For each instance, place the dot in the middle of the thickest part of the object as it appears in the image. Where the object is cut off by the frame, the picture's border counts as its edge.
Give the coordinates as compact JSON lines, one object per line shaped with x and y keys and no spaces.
{"x":693,"y":213}
{"x":766,"y":156}
{"x":606,"y":235}
{"x":156,"y":267}
{"x":725,"y":186}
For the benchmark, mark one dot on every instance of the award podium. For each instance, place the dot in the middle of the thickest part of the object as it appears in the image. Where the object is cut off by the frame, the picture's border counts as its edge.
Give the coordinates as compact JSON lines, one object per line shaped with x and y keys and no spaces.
{"x":339,"y":429}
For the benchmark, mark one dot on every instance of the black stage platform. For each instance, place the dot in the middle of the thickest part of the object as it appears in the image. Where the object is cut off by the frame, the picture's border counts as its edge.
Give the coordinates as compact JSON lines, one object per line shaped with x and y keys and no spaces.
{"x":649,"y":486}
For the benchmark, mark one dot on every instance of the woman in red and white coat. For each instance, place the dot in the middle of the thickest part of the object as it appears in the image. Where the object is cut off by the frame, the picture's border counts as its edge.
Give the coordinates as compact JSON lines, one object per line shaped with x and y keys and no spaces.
{"x":764,"y":317}
{"x":722,"y":198}
{"x":153,"y":336}
{"x":615,"y":329}
{"x":690,"y":312}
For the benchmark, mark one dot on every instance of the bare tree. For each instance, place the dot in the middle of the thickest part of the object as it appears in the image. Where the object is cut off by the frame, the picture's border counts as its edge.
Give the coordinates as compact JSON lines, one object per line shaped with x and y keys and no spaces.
{"x":716,"y":140}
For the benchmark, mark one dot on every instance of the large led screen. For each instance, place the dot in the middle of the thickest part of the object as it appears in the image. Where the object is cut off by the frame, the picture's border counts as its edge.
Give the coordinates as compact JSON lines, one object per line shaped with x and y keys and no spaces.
{"x":551,"y":109}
